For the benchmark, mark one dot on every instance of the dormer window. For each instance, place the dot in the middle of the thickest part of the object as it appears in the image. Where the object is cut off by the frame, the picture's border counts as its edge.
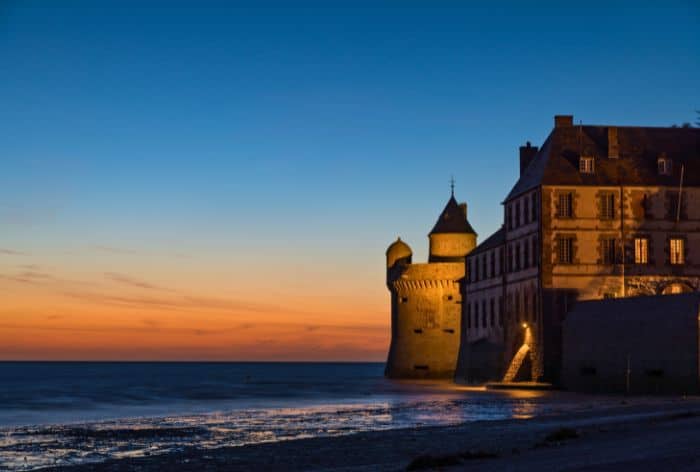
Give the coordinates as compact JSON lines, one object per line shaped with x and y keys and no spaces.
{"x":586,"y":165}
{"x":665,"y":165}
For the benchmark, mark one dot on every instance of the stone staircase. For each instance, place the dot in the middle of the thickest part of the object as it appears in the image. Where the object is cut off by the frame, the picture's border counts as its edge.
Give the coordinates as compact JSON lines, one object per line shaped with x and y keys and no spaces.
{"x":515,"y":364}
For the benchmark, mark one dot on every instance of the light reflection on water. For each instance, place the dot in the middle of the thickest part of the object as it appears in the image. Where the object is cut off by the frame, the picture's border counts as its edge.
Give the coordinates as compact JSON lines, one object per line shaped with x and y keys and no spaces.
{"x":26,"y":448}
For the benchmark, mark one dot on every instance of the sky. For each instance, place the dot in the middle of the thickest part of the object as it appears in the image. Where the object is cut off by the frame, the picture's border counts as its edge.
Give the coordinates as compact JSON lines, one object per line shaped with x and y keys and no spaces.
{"x":219,"y":180}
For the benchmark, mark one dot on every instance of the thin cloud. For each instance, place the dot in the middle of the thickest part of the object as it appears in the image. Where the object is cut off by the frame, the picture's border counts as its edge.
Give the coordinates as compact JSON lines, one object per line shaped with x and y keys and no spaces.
{"x":175,"y":302}
{"x":131,"y":281}
{"x":113,"y":250}
{"x":28,"y":277}
{"x":12,"y":252}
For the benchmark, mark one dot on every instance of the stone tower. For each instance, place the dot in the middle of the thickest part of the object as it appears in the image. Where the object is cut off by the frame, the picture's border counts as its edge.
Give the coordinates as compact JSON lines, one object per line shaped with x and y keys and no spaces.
{"x":426,"y":299}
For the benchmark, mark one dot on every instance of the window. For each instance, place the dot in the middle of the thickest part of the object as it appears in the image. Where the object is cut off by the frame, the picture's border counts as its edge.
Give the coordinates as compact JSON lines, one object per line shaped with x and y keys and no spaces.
{"x":516,"y":306}
{"x":607,"y":206}
{"x":526,"y":210}
{"x":500,"y":312}
{"x":641,"y":250}
{"x":483,"y":313}
{"x":517,"y":214}
{"x":676,"y":246}
{"x":526,"y":315}
{"x":516,"y":266}
{"x":534,"y":251}
{"x":675,"y":206}
{"x":510,"y":258}
{"x":565,"y":208}
{"x":526,"y":256}
{"x":469,"y":316}
{"x":476,"y":315}
{"x":586,"y":165}
{"x":493,"y":264}
{"x":665,"y":165}
{"x":566,"y":249}
{"x":647,"y":207}
{"x":483,"y":266}
{"x":509,"y":221}
{"x":492,"y":313}
{"x":607,"y":249}
{"x":533,"y":207}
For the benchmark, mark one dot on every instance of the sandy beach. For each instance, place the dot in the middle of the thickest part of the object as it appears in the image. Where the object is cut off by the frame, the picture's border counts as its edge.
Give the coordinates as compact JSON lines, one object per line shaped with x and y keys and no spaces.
{"x":629,"y":434}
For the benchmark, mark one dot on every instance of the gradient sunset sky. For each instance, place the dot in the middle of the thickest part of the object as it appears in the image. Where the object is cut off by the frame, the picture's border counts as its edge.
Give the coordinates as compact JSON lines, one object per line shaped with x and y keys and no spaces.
{"x":220,"y":180}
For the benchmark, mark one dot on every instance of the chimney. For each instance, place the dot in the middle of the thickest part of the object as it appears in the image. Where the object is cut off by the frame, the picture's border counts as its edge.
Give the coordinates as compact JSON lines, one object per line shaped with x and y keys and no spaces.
{"x":527,"y":155}
{"x":562,"y":121}
{"x":613,"y":146}
{"x":463,"y":206}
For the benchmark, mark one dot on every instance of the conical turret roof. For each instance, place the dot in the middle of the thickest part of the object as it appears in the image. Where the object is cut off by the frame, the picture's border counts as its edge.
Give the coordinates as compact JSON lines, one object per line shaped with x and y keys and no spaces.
{"x":452,"y":219}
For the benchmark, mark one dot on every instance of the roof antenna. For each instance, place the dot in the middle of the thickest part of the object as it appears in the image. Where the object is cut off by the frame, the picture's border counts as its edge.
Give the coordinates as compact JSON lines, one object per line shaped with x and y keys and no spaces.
{"x":452,"y":185}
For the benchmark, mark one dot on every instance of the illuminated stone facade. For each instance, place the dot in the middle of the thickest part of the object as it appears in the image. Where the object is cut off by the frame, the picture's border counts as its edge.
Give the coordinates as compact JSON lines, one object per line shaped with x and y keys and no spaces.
{"x":595,"y":214}
{"x":426,"y":299}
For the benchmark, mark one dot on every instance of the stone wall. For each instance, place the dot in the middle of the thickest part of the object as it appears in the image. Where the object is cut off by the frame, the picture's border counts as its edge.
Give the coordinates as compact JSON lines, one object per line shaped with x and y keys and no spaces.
{"x":640,"y":344}
{"x":426,"y":321}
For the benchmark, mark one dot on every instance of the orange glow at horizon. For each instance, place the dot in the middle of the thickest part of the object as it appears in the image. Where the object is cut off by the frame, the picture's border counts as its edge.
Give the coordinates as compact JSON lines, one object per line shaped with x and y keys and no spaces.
{"x":113,"y":316}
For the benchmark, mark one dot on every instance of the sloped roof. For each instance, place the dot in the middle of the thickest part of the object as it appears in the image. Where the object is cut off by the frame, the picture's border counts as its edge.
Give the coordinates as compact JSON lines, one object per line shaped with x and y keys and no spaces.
{"x":495,"y":240}
{"x":452,"y":220}
{"x":557,"y":162}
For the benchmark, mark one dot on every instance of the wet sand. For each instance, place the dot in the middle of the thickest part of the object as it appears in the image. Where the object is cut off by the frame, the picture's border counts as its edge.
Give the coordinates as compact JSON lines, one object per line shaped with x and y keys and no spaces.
{"x":634,"y":434}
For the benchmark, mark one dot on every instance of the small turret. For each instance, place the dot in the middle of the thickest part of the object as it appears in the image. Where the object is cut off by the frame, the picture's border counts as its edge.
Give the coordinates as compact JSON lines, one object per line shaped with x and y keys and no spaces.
{"x":398,"y":251}
{"x":452,"y":237}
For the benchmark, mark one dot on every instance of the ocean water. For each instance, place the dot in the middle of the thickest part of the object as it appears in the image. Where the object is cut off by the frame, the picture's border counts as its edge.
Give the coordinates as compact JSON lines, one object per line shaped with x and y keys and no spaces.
{"x":59,"y":413}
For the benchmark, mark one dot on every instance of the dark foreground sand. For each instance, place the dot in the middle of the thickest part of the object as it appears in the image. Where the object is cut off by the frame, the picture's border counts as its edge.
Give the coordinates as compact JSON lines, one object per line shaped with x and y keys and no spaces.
{"x":653,"y":435}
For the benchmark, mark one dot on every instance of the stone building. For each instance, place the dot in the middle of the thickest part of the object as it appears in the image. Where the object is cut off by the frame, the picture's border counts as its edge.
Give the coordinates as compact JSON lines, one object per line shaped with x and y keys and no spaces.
{"x":598,"y":212}
{"x":426,"y":299}
{"x":647,"y":344}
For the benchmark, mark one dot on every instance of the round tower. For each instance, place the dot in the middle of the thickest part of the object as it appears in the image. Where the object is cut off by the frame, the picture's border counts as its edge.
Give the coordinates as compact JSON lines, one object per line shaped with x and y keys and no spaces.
{"x":426,"y":299}
{"x":452,"y":237}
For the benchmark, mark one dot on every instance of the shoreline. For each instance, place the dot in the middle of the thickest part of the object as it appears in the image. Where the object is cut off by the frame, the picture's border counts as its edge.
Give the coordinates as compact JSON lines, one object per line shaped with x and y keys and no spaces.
{"x":637,"y":433}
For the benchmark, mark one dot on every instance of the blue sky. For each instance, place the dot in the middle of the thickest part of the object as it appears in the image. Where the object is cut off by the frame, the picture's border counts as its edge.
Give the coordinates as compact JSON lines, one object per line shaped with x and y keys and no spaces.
{"x":308,"y":134}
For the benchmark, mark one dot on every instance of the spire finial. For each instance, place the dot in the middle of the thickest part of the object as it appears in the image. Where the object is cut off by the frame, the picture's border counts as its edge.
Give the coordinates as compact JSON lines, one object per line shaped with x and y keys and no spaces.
{"x":452,"y":185}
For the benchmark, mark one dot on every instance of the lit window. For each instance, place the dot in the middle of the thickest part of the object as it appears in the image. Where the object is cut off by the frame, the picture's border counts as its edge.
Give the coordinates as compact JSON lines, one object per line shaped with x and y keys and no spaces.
{"x":608,"y":250}
{"x":586,"y":165}
{"x":677,"y":251}
{"x":565,"y":208}
{"x":566,"y":246}
{"x":607,"y":206}
{"x":665,"y":165}
{"x":641,"y":251}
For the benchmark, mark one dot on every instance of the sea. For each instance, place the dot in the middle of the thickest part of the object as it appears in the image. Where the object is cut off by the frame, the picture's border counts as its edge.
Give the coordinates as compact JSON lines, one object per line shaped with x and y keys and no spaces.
{"x":62,"y":413}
